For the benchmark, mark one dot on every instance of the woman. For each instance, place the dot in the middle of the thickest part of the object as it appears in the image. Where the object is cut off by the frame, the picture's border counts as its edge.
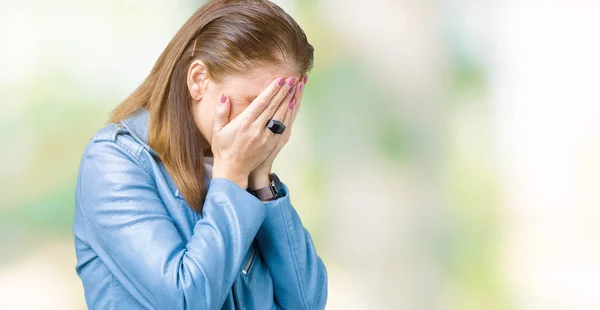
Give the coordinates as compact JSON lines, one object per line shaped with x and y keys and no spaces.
{"x":176,"y":203}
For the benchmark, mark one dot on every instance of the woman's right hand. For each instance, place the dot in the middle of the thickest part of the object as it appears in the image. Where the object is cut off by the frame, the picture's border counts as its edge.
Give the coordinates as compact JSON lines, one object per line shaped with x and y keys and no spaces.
{"x":241,"y":144}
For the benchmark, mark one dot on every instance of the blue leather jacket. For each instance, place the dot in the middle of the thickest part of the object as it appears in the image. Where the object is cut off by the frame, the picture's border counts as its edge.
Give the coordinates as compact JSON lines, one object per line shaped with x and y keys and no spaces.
{"x":140,"y":246}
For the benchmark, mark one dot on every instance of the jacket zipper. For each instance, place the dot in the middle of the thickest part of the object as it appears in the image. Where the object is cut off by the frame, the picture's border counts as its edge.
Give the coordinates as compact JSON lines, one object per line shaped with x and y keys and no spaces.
{"x":249,"y":262}
{"x":236,"y":302}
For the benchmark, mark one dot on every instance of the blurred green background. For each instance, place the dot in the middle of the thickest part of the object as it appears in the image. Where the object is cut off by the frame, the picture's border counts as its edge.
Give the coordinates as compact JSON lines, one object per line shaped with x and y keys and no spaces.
{"x":446,"y":154}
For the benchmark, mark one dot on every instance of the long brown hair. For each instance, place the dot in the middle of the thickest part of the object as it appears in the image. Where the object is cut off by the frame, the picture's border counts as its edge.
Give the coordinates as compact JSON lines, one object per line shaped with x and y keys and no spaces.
{"x":230,"y":37}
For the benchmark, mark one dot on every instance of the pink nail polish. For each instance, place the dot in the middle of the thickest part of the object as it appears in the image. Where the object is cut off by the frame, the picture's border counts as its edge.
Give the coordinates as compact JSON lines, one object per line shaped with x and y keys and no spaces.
{"x":305,"y":79}
{"x":301,"y":86}
{"x":291,"y":82}
{"x":223,"y":98}
{"x":293,"y":90}
{"x":281,"y":81}
{"x":292,"y":103}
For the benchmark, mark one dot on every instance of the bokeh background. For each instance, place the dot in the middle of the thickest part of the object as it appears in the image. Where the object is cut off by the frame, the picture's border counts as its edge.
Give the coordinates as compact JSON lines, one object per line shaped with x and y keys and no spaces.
{"x":446,"y":156}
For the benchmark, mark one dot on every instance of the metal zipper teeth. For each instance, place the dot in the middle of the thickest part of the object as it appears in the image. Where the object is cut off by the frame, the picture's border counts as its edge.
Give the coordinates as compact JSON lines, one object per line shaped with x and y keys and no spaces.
{"x":250,"y":260}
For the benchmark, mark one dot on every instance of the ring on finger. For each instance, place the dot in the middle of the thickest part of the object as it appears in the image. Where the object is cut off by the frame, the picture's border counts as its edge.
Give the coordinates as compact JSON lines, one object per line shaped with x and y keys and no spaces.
{"x":277,"y":127}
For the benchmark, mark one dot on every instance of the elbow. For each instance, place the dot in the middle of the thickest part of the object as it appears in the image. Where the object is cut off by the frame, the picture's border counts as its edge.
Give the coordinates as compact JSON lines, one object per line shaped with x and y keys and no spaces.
{"x":316,"y":296}
{"x":321,"y":291}
{"x":186,"y":287}
{"x":194,"y":290}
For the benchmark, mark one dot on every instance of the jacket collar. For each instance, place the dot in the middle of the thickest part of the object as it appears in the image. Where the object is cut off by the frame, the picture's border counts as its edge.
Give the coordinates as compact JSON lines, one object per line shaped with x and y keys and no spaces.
{"x":137,"y":125}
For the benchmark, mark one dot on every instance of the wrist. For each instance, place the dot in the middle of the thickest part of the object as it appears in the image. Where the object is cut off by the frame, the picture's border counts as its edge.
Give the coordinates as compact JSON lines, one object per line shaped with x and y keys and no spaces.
{"x":258,"y":180}
{"x":269,"y":192}
{"x":238,"y":178}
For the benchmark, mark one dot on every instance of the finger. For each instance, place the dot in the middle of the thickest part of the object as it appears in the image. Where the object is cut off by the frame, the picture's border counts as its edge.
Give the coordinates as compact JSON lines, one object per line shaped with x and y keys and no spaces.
{"x":289,"y":111}
{"x":263,"y":100}
{"x":221,"y":113}
{"x":299,"y":95}
{"x":276,"y":101}
{"x":281,"y":112}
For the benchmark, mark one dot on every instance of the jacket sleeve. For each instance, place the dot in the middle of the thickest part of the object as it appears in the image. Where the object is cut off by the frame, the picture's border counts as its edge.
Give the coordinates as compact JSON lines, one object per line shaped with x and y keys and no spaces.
{"x":299,"y":275}
{"x":136,"y":238}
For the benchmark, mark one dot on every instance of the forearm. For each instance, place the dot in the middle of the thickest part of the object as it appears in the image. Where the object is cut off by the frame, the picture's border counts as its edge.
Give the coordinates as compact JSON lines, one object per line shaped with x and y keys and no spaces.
{"x":299,"y":274}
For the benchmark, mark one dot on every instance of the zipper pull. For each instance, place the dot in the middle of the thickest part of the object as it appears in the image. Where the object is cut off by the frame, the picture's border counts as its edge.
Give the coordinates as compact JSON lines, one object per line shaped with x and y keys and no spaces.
{"x":249,"y":262}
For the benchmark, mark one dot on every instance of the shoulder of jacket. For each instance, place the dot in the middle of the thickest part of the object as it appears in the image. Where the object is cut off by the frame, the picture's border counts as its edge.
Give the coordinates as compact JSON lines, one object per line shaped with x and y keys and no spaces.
{"x":118,"y":134}
{"x":108,"y":132}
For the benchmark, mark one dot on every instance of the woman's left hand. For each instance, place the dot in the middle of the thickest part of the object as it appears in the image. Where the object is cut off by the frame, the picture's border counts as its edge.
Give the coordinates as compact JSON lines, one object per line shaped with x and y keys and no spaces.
{"x":259,"y":177}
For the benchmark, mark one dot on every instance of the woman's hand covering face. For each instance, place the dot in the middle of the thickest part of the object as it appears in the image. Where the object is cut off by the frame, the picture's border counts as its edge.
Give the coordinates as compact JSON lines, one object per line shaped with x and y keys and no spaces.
{"x":286,"y":114}
{"x":242,"y":144}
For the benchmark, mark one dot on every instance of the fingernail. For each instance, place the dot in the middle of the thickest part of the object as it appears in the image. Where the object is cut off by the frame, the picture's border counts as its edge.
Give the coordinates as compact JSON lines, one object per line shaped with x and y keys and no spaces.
{"x":281,"y":81}
{"x":292,"y":103}
{"x":291,"y":82}
{"x":301,"y":86}
{"x":305,"y":79}
{"x":293,"y":90}
{"x":223,"y":98}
